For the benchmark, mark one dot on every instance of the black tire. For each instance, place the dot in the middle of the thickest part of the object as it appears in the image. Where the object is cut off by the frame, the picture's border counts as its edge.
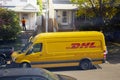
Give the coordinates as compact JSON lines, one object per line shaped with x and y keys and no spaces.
{"x":2,"y":61}
{"x":25,"y":65}
{"x":85,"y":65}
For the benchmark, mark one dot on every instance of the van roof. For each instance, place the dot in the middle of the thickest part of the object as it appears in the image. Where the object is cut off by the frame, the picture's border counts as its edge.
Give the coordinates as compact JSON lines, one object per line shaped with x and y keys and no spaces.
{"x":68,"y":34}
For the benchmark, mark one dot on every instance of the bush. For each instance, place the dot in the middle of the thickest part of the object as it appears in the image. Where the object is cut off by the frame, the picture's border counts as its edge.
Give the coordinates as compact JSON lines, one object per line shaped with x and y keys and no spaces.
{"x":9,"y":24}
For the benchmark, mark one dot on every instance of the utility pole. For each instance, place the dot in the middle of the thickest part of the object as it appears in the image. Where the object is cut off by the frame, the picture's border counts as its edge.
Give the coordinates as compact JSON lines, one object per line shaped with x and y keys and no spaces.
{"x":47,"y":17}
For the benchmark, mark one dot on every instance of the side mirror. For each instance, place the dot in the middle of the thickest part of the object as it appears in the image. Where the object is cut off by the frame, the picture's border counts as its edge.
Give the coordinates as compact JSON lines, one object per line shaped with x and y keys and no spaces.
{"x":30,"y":39}
{"x":30,"y":51}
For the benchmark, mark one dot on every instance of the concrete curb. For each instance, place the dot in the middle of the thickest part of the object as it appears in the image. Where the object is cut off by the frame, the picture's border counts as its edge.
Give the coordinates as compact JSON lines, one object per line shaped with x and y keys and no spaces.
{"x":116,"y":44}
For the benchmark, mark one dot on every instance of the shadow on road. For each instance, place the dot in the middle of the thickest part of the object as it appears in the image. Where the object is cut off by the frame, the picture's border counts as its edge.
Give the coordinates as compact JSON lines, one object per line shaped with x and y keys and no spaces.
{"x":69,"y":68}
{"x":56,"y":69}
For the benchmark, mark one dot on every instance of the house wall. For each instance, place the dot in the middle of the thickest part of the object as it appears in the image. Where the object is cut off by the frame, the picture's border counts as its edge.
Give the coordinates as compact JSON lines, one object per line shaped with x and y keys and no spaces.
{"x":61,"y":1}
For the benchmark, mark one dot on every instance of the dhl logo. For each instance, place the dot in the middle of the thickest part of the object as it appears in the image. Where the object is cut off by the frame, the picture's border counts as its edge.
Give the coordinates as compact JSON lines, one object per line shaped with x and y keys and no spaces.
{"x":82,"y":45}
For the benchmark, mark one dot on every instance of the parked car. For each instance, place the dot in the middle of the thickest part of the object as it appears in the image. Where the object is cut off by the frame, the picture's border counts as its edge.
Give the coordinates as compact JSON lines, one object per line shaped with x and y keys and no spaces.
{"x":5,"y":54}
{"x":31,"y":74}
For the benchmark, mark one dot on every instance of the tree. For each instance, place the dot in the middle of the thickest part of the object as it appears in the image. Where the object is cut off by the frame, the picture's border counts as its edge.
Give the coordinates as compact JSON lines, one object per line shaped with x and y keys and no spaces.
{"x":115,"y":21}
{"x":102,"y":10}
{"x":39,"y":2}
{"x":9,"y":24}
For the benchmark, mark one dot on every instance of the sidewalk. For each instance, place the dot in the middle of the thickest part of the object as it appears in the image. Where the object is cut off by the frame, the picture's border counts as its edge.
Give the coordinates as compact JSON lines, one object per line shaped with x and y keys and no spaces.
{"x":113,"y":55}
{"x":113,"y":48}
{"x":116,"y":44}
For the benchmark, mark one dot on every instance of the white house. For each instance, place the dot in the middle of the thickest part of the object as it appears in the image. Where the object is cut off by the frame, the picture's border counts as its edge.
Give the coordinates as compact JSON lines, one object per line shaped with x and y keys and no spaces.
{"x":24,"y":8}
{"x":63,"y":12}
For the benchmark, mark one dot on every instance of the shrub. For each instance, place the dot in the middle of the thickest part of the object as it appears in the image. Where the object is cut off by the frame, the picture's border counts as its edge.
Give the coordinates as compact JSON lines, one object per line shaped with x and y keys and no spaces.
{"x":9,"y":24}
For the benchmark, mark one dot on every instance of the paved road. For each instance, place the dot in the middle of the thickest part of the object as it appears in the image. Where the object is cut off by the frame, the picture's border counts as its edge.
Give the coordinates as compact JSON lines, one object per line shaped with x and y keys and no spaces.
{"x":103,"y":72}
{"x":106,"y":71}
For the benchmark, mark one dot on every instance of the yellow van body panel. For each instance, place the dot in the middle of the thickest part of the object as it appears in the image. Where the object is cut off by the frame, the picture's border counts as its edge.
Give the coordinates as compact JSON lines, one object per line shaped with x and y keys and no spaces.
{"x":65,"y":49}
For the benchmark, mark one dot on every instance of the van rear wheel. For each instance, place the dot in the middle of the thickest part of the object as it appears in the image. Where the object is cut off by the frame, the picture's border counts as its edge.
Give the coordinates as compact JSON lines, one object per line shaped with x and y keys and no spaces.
{"x":85,"y":65}
{"x":25,"y":65}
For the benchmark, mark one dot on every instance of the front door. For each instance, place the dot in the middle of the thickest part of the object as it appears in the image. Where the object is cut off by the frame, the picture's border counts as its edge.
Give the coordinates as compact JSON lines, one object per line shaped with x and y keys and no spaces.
{"x":26,"y":17}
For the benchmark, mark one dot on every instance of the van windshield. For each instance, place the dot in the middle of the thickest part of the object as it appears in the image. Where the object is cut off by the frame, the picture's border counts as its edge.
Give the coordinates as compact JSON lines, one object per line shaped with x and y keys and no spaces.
{"x":26,"y":47}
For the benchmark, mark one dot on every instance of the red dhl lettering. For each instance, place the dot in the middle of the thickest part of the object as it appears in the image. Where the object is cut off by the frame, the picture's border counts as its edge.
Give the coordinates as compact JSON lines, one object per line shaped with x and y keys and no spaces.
{"x":82,"y":45}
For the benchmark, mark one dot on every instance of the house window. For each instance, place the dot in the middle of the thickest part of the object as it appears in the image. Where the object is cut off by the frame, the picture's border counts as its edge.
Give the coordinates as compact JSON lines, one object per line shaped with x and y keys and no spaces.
{"x":23,"y":0}
{"x":64,"y":15}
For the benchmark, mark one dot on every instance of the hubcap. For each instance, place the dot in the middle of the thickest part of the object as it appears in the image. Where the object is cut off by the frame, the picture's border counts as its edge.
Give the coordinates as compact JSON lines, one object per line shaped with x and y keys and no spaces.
{"x":24,"y":65}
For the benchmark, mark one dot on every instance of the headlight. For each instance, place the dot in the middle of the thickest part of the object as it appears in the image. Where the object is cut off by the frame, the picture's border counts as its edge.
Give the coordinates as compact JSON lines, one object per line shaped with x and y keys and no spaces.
{"x":13,"y":59}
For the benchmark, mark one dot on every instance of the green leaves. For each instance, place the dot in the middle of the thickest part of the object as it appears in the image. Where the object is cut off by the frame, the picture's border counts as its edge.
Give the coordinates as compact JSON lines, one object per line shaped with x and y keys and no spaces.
{"x":9,"y":24}
{"x":39,"y":2}
{"x":102,"y":10}
{"x":94,"y":6}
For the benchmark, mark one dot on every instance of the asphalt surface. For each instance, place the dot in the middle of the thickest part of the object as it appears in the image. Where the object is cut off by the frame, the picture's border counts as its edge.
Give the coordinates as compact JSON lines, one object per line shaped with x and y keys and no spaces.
{"x":105,"y":72}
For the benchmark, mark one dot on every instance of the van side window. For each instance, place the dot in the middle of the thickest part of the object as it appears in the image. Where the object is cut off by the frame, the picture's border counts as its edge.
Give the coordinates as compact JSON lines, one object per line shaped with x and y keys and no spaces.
{"x":37,"y":47}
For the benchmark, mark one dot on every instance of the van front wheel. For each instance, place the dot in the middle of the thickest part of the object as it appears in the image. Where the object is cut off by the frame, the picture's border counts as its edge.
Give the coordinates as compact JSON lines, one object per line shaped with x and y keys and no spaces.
{"x":2,"y":61}
{"x":25,"y":65}
{"x":85,"y":65}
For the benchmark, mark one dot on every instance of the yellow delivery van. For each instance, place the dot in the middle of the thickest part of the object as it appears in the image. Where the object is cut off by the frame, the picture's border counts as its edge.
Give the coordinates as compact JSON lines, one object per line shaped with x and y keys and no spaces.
{"x":58,"y":49}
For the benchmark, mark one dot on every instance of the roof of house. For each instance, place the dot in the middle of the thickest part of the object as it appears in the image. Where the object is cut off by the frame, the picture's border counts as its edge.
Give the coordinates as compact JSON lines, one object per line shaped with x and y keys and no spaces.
{"x":64,"y":5}
{"x":26,"y":8}
{"x":61,"y":2}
